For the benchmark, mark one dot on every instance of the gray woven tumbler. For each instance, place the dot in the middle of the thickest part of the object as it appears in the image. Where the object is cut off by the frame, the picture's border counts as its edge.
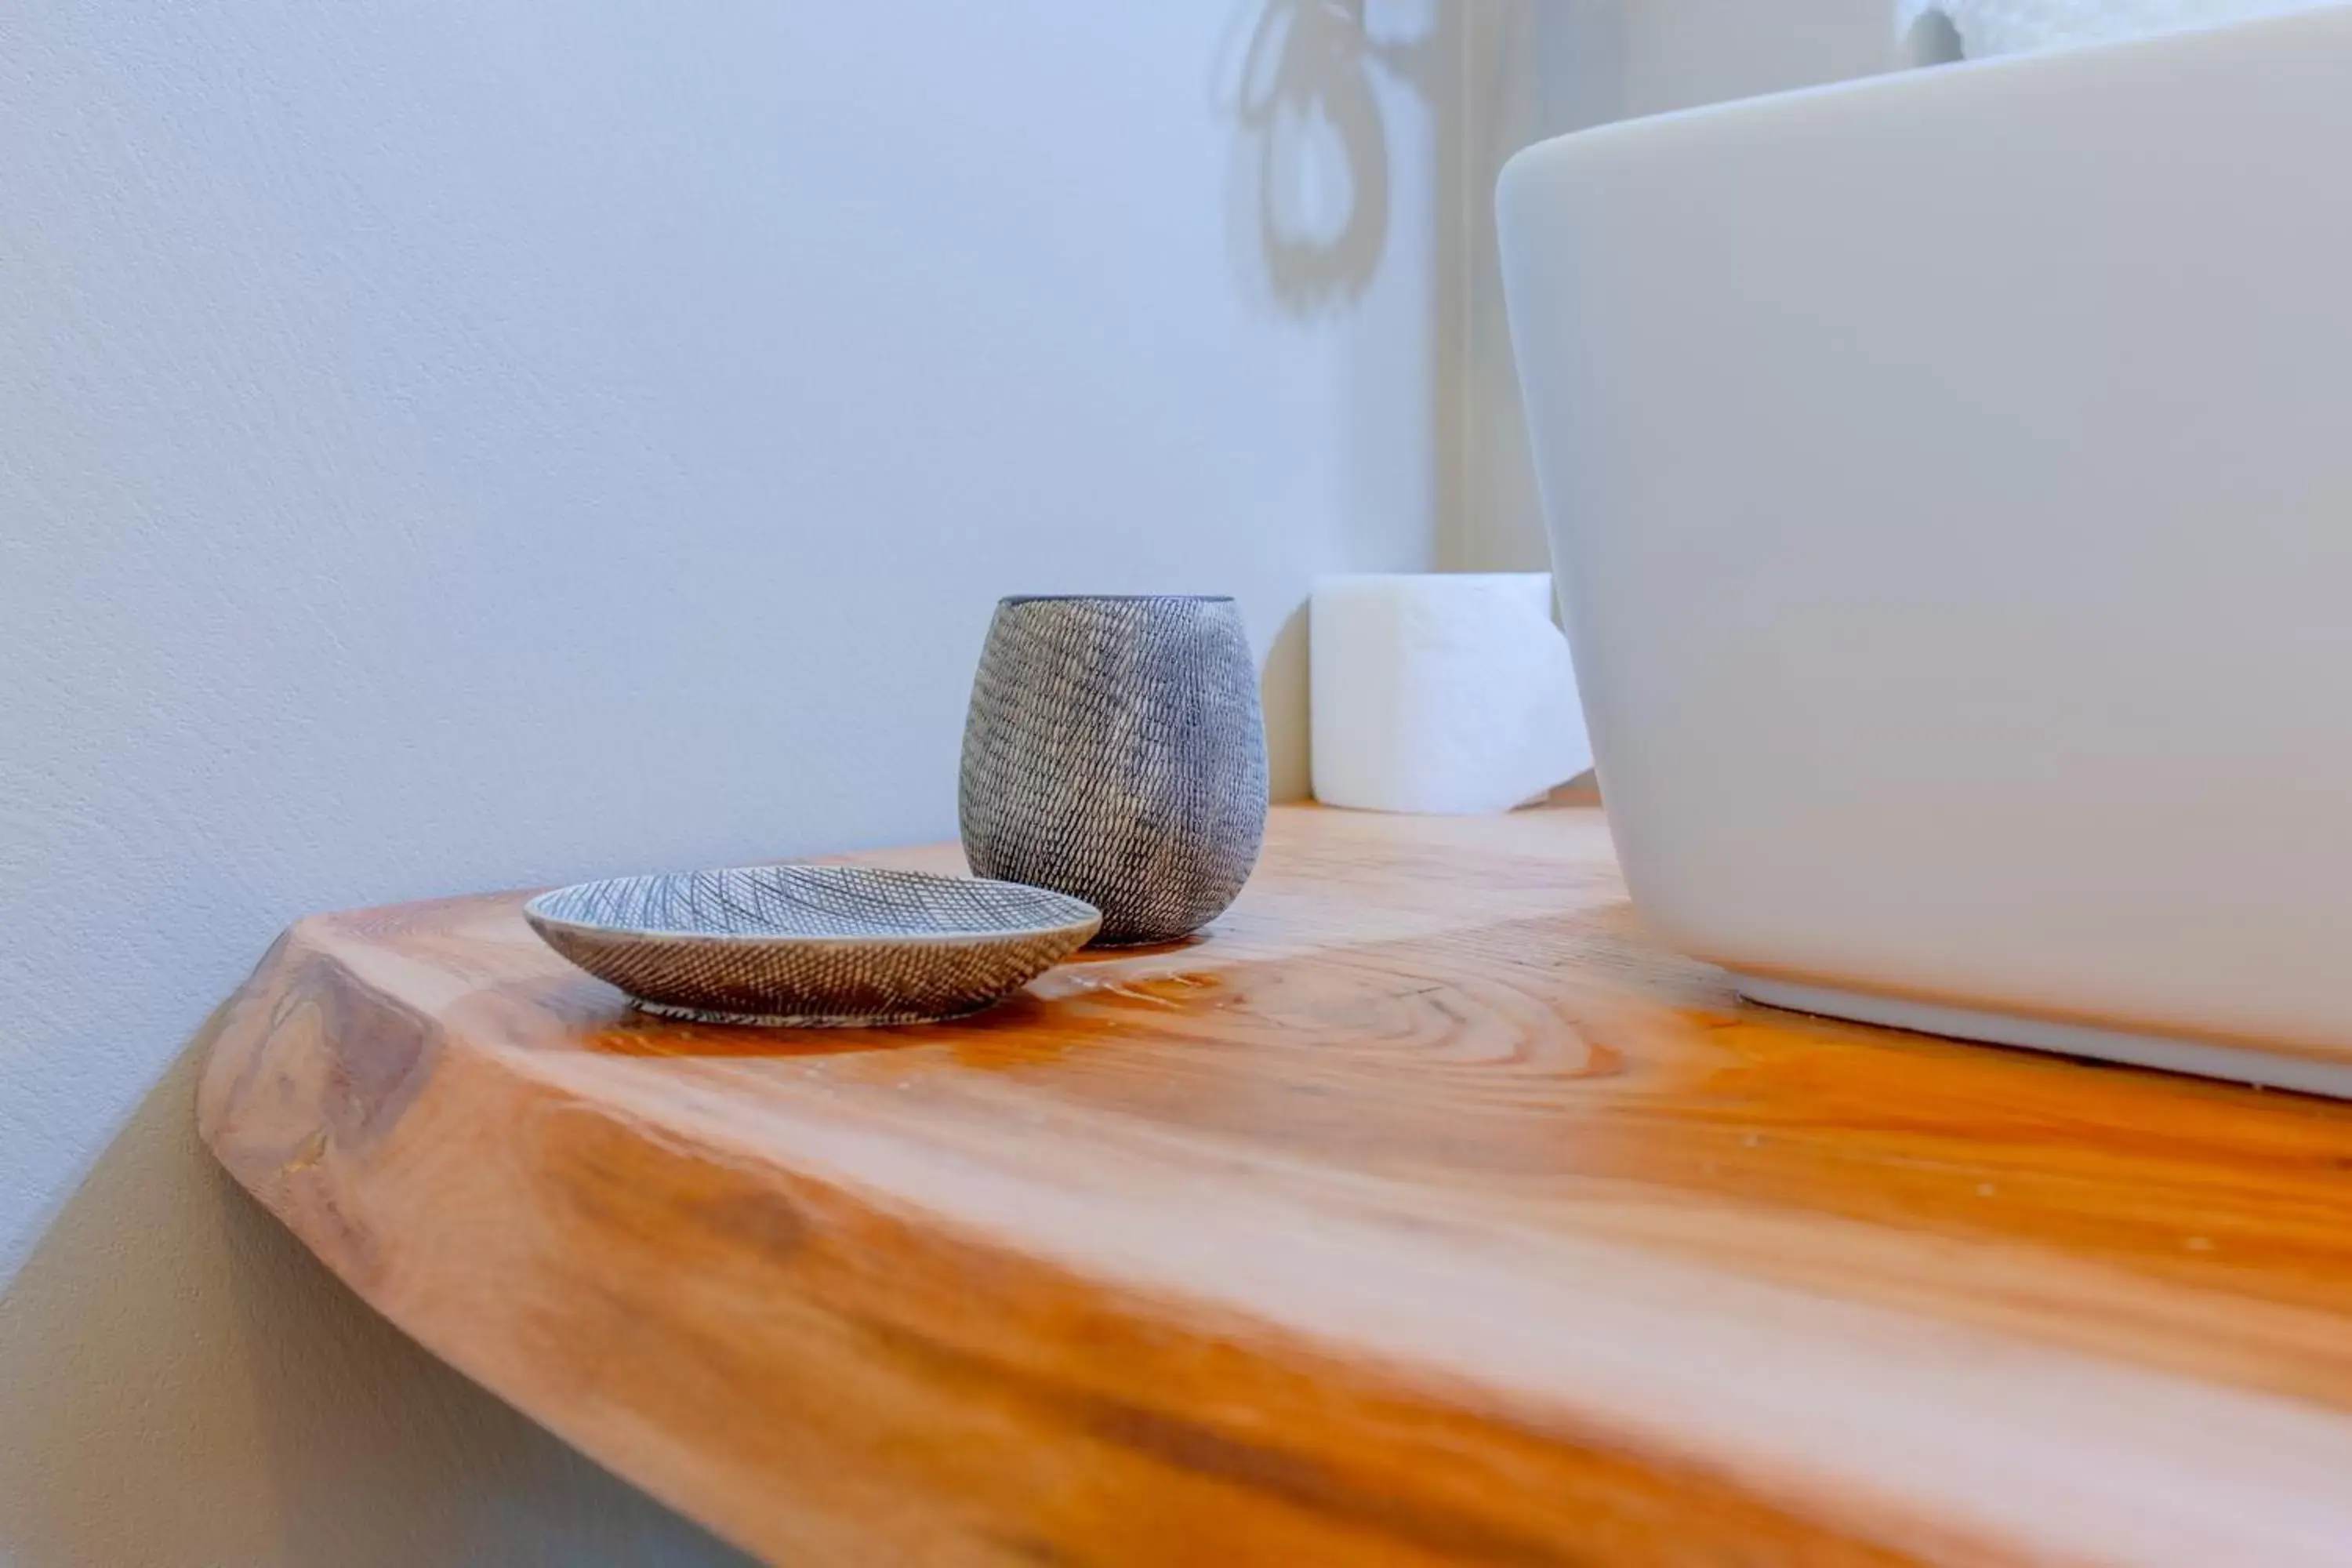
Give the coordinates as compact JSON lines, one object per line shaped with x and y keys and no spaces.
{"x":1115,"y":752}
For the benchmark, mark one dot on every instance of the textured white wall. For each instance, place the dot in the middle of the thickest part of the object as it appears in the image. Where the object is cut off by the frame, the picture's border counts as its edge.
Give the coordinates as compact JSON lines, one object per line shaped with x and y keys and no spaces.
{"x":461,"y":442}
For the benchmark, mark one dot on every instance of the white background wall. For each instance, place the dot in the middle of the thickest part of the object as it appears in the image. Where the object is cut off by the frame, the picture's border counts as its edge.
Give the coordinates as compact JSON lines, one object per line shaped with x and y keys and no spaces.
{"x":466,"y":443}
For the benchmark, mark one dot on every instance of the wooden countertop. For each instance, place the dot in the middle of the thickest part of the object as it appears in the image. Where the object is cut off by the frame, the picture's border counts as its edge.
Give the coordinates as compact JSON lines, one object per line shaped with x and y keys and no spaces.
{"x":1424,"y":1213}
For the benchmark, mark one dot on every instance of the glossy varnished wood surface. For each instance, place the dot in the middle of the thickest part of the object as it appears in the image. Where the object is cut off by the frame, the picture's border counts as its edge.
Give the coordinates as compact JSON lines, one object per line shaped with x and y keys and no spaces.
{"x":1423,"y":1213}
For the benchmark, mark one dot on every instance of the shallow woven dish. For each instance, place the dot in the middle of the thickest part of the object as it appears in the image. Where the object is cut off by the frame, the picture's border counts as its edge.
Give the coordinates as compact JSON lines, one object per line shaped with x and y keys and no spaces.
{"x":812,"y":945}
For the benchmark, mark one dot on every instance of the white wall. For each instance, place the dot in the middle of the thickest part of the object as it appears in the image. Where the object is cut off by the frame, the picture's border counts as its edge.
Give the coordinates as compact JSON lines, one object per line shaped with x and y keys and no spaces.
{"x":469,"y":443}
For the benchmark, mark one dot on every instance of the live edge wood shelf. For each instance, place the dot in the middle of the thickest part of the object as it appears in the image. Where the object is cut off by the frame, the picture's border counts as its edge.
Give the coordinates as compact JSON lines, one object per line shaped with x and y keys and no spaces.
{"x":1424,"y":1213}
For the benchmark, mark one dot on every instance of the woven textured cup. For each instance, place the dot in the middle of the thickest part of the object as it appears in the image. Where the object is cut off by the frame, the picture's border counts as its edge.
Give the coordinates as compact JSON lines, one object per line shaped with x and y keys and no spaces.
{"x":1115,"y":752}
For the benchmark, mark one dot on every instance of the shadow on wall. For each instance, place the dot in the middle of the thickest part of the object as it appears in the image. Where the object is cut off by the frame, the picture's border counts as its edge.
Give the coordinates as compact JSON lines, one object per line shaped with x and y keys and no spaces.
{"x":185,"y":1384}
{"x":1309,"y":194}
{"x":1310,"y":206}
{"x":1534,"y":68}
{"x":1282,"y":692}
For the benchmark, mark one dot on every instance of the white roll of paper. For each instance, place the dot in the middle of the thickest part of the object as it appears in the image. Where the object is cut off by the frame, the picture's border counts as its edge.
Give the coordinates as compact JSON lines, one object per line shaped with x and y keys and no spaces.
{"x":1449,"y":694}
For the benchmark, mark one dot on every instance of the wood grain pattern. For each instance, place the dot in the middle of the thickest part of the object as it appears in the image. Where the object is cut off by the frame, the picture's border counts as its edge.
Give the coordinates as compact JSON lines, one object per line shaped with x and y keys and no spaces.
{"x":1423,"y":1213}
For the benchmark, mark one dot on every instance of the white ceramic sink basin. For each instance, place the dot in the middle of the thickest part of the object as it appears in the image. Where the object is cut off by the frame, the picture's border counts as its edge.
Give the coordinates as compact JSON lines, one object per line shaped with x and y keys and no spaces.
{"x":1949,"y":478}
